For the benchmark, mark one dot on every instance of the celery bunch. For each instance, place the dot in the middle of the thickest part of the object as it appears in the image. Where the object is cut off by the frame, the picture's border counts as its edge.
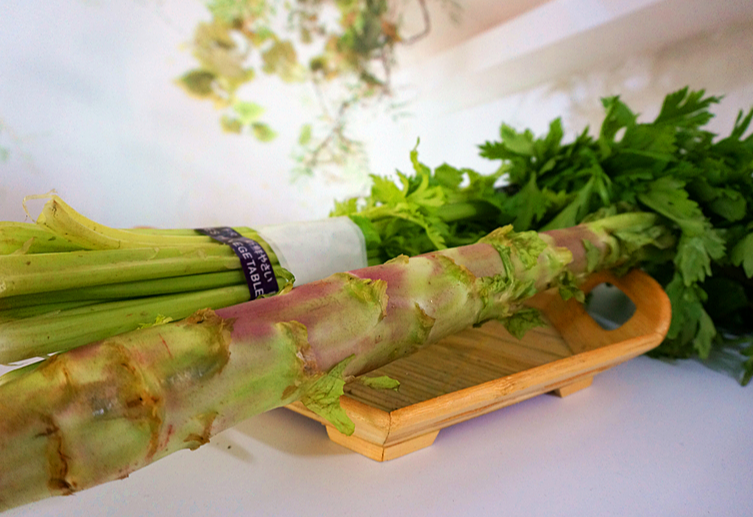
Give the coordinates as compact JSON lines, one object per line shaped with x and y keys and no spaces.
{"x":67,"y":281}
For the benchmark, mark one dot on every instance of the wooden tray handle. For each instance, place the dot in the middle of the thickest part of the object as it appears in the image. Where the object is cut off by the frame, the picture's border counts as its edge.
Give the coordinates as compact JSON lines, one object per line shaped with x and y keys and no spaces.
{"x":580,"y":331}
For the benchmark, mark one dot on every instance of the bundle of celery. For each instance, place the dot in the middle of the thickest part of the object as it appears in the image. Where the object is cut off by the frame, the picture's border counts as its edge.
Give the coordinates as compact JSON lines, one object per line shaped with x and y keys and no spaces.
{"x":101,"y":411}
{"x":67,"y":281}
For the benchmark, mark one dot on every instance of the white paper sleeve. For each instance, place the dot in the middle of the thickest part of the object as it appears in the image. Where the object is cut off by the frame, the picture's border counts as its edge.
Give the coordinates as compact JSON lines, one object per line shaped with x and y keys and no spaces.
{"x":316,"y":249}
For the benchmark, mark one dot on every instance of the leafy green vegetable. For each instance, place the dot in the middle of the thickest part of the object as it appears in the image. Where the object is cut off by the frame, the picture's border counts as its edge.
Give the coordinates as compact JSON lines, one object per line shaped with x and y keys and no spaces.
{"x":323,"y":398}
{"x":742,"y":254}
{"x":383,"y":382}
{"x":523,"y":321}
{"x":426,"y":211}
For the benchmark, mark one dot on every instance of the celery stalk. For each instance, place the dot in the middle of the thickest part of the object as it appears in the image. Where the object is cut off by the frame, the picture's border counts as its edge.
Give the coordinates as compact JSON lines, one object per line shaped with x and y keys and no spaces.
{"x":127,"y":290}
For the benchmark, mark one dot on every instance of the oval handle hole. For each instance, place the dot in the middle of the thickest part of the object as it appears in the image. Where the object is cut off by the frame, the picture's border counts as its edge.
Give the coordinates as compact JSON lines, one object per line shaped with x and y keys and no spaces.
{"x":609,"y":307}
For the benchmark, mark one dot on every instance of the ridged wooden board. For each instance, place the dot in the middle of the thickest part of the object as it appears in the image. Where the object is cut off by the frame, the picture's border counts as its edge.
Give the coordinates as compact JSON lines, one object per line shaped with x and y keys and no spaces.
{"x":484,"y":369}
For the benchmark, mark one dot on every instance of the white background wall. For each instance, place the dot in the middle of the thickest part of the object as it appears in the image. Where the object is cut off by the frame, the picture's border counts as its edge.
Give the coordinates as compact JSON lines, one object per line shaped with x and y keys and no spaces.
{"x":88,"y":105}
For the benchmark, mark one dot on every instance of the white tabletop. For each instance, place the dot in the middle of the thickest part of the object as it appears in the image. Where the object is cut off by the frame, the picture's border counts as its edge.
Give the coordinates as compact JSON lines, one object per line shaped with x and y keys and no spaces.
{"x":647,"y":438}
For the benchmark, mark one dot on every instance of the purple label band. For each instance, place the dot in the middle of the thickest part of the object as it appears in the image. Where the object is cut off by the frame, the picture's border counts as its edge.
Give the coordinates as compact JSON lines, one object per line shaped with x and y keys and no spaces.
{"x":254,"y":260}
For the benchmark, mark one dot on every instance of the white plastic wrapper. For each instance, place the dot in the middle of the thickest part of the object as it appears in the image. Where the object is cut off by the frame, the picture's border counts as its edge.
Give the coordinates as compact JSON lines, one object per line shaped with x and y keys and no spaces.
{"x":317,"y":249}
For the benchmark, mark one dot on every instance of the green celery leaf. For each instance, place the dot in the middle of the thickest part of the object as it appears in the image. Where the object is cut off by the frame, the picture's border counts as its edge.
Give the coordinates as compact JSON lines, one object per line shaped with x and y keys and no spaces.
{"x":694,"y":255}
{"x":529,"y":205}
{"x":370,"y":234}
{"x":323,"y":398}
{"x":741,"y":124}
{"x":385,"y":191}
{"x":742,"y":255}
{"x":686,"y":108}
{"x":618,"y":116}
{"x":420,"y":168}
{"x":523,"y":321}
{"x":668,"y":196}
{"x":553,"y":140}
{"x":512,"y":145}
{"x":730,"y":204}
{"x":380,"y":383}
{"x":161,"y":319}
{"x":448,"y":176}
{"x":518,"y":143}
{"x":347,"y":207}
{"x":576,"y":210}
{"x":528,"y":246}
{"x":747,"y":366}
{"x":568,"y":287}
{"x":656,"y":141}
{"x":426,"y":196}
{"x":690,"y":321}
{"x":704,"y":339}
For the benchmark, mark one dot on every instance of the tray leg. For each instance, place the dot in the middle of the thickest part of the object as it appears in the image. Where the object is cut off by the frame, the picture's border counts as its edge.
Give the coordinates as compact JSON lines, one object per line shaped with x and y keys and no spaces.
{"x":569,"y":389}
{"x":379,"y":452}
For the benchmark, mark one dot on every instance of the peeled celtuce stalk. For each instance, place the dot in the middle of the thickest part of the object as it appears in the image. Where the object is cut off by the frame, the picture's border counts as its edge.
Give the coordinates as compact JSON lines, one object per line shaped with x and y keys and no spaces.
{"x":101,"y":411}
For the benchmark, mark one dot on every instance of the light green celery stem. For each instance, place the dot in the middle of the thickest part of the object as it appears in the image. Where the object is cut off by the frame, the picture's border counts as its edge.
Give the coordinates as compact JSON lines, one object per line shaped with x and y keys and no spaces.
{"x":453,"y":212}
{"x":17,"y":236}
{"x":17,"y":313}
{"x":25,"y":274}
{"x":630,"y":221}
{"x":60,"y":218}
{"x":99,"y":412}
{"x":29,"y":238}
{"x":127,"y":290}
{"x":64,"y":221}
{"x":14,"y":236}
{"x":65,"y":310}
{"x":46,"y":334}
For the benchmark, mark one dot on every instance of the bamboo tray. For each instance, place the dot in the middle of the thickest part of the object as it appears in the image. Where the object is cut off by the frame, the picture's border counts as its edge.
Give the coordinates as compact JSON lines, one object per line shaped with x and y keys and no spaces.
{"x":484,"y":369}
